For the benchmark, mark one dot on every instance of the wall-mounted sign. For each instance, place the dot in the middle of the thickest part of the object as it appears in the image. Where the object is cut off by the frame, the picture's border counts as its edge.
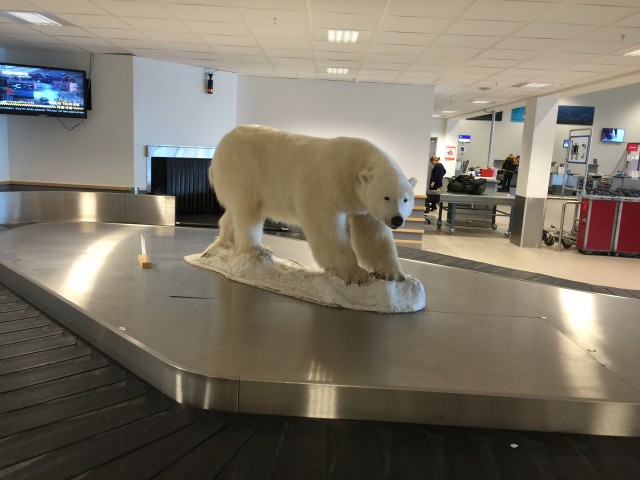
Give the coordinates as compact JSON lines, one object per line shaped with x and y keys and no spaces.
{"x":517,"y":114}
{"x":464,"y":138}
{"x":632,"y":147}
{"x":450,"y":153}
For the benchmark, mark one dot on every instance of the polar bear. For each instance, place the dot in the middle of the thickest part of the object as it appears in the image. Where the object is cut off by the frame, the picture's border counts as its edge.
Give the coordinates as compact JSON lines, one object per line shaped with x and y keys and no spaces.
{"x":345,"y":194}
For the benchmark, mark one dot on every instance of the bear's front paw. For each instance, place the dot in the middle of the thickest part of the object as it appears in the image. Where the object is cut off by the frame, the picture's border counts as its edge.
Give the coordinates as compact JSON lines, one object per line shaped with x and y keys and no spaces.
{"x":264,"y":252}
{"x":390,"y":276}
{"x":356,"y":276}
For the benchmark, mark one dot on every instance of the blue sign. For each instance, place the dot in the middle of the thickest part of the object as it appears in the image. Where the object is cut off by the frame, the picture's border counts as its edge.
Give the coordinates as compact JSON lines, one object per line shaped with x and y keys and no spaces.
{"x":517,"y":114}
{"x":464,"y":138}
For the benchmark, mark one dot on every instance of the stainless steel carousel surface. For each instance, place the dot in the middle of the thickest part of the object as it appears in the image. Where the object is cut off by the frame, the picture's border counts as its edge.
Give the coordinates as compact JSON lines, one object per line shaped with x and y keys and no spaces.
{"x":487,"y":351}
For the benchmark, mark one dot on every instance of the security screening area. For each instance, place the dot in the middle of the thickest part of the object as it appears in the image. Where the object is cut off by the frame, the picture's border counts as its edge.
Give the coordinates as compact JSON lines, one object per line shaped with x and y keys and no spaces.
{"x":120,"y":359}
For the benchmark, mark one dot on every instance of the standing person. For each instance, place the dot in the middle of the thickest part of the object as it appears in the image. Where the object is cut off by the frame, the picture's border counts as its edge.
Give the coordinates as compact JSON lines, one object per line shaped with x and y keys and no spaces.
{"x":437,"y":175}
{"x":509,"y":166}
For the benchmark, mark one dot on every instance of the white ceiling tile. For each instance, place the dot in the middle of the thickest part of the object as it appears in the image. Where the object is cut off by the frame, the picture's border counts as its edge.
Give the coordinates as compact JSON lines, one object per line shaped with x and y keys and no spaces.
{"x":429,"y":8}
{"x":474,"y":70}
{"x":300,"y":5}
{"x":288,"y":61}
{"x":274,"y":17}
{"x":587,"y":14}
{"x":484,"y":28}
{"x":492,"y":62}
{"x":465,"y":41}
{"x":397,"y":38}
{"x":454,"y":54}
{"x":238,"y":50}
{"x":122,"y":8}
{"x":285,"y":53}
{"x":206,"y":13}
{"x":217,"y":28}
{"x":537,"y":44}
{"x":98,"y":21}
{"x":371,"y":7}
{"x":501,"y":54}
{"x":275,"y":31}
{"x":69,"y":6}
{"x":515,"y":11}
{"x":630,"y":21}
{"x":85,"y":41}
{"x":229,"y":40}
{"x":31,"y":38}
{"x":284,"y":43}
{"x":396,"y":49}
{"x":120,"y":33}
{"x":615,"y":35}
{"x":564,"y":58}
{"x":187,"y":49}
{"x":394,"y":23}
{"x":69,"y":31}
{"x":344,"y":56}
{"x":15,"y":5}
{"x":16,"y":28}
{"x":617,"y":60}
{"x":589,"y":47}
{"x":156,"y":24}
{"x":177,"y":37}
{"x":396,"y":59}
{"x":344,"y":21}
{"x":554,"y":31}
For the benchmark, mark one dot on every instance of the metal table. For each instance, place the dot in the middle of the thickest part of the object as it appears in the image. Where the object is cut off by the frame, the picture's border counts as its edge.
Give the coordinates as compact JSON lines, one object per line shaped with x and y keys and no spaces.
{"x":454,"y":200}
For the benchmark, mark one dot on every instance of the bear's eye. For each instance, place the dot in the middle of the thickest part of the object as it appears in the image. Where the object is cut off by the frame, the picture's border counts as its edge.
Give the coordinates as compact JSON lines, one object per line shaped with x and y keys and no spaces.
{"x":387,"y":198}
{"x":405,"y":200}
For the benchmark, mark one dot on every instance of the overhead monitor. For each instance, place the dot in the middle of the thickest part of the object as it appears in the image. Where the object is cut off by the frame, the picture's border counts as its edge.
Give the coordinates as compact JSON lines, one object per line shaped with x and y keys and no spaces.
{"x":464,"y":138}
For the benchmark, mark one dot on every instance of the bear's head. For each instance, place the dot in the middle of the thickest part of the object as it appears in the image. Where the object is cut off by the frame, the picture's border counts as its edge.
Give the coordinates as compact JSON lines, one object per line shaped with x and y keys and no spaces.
{"x":388,"y":195}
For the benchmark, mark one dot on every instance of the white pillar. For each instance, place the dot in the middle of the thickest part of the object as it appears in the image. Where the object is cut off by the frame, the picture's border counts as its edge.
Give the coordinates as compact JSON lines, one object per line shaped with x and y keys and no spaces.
{"x":533,"y":174}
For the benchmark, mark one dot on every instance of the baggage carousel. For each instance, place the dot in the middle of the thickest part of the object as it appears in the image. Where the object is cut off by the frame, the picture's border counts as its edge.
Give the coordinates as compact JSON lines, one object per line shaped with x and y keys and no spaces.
{"x":487,"y":351}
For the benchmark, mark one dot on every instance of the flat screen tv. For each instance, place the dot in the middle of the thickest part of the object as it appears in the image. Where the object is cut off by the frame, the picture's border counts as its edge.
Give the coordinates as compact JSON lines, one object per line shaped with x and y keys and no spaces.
{"x":613,"y":135}
{"x":464,"y":138}
{"x":42,"y":91}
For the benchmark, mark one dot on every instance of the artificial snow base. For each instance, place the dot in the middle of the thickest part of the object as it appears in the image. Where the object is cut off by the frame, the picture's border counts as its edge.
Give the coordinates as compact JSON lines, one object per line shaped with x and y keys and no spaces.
{"x":293,"y":279}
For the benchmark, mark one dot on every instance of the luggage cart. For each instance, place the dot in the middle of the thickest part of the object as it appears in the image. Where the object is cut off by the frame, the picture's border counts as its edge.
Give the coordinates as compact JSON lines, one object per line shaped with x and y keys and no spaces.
{"x":553,"y":234}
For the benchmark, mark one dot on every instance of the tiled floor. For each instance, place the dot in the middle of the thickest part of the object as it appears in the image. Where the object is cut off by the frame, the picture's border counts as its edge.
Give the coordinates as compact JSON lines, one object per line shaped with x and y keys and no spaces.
{"x":483,"y":244}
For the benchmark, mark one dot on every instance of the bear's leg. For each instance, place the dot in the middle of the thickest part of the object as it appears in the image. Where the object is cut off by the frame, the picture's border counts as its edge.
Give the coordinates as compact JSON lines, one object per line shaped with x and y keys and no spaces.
{"x":248,"y":225}
{"x":331,"y":248}
{"x":225,"y":239}
{"x":374,"y":247}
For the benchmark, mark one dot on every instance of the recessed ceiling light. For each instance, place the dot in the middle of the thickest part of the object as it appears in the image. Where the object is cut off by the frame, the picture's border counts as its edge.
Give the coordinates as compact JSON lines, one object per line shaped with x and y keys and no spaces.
{"x":435,"y":115}
{"x":337,"y":71}
{"x":449,"y":111}
{"x":33,"y":18}
{"x":536,"y":85}
{"x":343,"y":36}
{"x":635,"y":53}
{"x":481,"y":101}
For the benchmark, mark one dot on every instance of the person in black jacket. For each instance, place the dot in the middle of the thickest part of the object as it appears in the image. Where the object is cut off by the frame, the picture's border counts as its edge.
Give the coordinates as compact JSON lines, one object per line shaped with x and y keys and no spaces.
{"x":509,"y":167}
{"x":437,"y":175}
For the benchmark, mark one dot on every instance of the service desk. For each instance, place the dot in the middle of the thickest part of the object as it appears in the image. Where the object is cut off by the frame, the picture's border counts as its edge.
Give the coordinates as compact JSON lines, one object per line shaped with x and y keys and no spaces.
{"x":456,"y":201}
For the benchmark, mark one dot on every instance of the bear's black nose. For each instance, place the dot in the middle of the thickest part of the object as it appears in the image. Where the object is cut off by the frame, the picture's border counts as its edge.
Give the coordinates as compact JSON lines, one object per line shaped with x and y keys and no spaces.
{"x":396,"y":222}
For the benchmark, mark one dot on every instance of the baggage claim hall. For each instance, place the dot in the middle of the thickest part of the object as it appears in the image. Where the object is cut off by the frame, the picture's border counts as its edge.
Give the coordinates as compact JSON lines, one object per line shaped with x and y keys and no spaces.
{"x":118,"y":359}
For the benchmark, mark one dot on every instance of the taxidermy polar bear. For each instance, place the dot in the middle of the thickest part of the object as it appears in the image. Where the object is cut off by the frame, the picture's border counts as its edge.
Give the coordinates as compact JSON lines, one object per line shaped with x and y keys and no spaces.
{"x":345,"y":194}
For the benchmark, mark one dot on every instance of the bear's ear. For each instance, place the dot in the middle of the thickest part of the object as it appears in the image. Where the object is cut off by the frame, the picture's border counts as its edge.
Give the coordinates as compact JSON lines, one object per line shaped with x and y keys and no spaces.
{"x":413,"y":182}
{"x":365,"y":176}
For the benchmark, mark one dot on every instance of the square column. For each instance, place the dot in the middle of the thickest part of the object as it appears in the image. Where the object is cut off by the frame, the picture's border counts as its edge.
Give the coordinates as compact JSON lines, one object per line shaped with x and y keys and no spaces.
{"x":533,"y":173}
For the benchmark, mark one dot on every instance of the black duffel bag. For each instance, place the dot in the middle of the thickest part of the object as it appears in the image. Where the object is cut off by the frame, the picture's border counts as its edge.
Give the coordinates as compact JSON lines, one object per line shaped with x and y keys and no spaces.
{"x":467,"y":184}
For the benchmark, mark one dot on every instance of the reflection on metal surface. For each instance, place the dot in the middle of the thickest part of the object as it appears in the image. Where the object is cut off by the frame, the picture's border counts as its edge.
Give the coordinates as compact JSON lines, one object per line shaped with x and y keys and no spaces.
{"x":578,"y":308}
{"x":179,"y":151}
{"x":321,"y":401}
{"x":63,"y":206}
{"x":83,"y":272}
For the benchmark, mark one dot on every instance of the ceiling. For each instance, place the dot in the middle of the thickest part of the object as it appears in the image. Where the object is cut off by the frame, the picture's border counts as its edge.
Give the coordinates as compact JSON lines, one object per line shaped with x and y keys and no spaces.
{"x":468,"y":49}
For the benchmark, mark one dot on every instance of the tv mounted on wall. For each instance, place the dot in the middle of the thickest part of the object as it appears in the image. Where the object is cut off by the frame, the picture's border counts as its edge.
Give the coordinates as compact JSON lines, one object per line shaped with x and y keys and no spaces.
{"x":42,"y":91}
{"x":612,"y":135}
{"x":464,"y":138}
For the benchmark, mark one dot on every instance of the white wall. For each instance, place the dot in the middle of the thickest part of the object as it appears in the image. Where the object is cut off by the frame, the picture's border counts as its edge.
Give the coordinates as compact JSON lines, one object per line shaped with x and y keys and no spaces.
{"x":616,"y":108}
{"x":171,"y":107}
{"x":98,"y":152}
{"x":397,"y":118}
{"x":507,"y":138}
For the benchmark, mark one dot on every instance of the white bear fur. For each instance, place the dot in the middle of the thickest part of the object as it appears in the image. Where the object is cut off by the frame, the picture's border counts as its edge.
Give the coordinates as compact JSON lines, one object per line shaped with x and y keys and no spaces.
{"x":343,"y":193}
